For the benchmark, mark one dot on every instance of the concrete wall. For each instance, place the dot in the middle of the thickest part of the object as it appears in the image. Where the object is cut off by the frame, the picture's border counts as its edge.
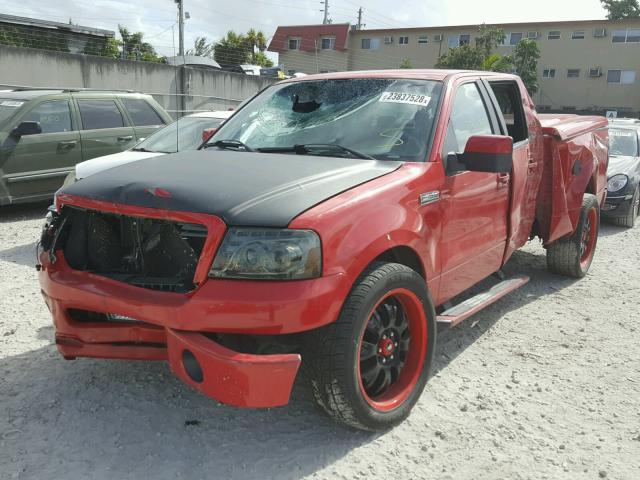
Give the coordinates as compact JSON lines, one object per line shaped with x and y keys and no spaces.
{"x":204,"y":89}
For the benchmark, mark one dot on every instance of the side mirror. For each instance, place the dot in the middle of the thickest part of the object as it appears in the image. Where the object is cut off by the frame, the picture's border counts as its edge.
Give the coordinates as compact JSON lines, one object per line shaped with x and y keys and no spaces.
{"x":207,"y":133}
{"x":488,"y":153}
{"x":26,"y":128}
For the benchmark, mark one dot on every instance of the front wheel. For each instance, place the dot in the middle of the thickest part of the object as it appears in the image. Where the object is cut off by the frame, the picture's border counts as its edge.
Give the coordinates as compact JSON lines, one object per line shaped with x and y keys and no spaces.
{"x":572,"y":256}
{"x":368,"y":369}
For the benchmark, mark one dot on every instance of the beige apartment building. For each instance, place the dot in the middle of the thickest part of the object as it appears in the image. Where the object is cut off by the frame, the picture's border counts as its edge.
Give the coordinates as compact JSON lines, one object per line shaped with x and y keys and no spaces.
{"x":584,"y":65}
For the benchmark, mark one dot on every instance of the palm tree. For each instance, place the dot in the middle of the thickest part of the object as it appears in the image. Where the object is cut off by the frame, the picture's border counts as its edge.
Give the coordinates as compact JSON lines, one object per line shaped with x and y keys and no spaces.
{"x":257,"y":42}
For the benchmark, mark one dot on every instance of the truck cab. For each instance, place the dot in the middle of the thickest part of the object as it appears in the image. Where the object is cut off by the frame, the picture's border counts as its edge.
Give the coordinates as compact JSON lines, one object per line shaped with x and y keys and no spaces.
{"x":331,"y":220}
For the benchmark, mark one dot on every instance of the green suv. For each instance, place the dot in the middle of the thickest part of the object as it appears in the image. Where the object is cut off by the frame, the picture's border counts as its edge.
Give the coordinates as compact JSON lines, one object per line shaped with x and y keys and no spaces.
{"x":44,"y":133}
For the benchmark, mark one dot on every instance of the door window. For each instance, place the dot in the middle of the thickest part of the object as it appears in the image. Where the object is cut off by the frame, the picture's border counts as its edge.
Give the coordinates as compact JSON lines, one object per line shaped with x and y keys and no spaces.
{"x":468,"y":118}
{"x":141,"y":112}
{"x":510,"y":102}
{"x":53,"y":116}
{"x":98,"y":114}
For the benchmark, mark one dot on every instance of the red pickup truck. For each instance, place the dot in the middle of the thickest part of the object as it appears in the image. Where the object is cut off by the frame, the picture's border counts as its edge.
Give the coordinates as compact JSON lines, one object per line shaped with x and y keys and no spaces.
{"x":332,"y":219}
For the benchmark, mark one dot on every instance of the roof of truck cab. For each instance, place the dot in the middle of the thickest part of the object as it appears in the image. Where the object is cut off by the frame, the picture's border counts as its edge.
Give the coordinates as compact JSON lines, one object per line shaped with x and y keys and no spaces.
{"x":417,"y":74}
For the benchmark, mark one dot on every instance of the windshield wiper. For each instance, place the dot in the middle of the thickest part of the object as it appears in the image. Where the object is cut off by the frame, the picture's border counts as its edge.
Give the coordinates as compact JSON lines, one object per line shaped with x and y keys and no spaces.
{"x":142,"y":149}
{"x":315,"y":149}
{"x":224,"y":144}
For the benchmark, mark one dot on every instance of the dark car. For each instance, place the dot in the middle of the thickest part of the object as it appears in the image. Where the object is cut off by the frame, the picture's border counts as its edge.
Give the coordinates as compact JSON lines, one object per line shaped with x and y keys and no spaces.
{"x":623,"y":193}
{"x":45,"y":133}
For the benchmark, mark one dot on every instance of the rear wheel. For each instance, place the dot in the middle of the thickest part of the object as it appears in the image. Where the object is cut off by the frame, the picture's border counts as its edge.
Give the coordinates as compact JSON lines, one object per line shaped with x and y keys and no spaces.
{"x":367,"y":370}
{"x":572,"y":256}
{"x":629,"y":220}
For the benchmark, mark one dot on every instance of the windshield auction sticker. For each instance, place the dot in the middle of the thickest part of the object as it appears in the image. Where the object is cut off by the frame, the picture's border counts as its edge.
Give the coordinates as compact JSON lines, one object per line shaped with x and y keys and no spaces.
{"x":406,"y":98}
{"x":620,"y":133}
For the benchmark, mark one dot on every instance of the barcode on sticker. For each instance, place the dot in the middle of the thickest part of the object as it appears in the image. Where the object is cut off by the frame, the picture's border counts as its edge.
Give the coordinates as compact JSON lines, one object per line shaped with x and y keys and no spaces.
{"x":407,"y":98}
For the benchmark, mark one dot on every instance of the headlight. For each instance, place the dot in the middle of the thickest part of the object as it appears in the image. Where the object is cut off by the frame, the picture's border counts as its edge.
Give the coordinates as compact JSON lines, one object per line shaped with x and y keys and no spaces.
{"x":617,"y":183}
{"x":269,"y":254}
{"x":70,"y":179}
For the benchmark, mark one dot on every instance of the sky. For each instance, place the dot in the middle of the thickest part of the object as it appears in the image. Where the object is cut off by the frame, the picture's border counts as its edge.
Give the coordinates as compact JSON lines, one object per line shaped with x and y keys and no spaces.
{"x":212,"y":18}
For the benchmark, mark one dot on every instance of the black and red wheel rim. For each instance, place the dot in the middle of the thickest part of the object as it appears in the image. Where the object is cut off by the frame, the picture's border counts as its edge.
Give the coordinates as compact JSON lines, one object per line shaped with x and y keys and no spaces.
{"x":392,"y":350}
{"x":589,"y":237}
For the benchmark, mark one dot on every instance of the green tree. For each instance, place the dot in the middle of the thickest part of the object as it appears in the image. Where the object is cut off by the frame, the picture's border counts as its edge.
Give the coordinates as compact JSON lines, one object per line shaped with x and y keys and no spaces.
{"x":406,"y":63}
{"x":201,"y":48}
{"x":256,"y":42}
{"x":474,"y":57}
{"x":466,"y":57}
{"x":262,"y":60}
{"x":232,"y":49}
{"x":498,"y":63}
{"x":134,"y":48}
{"x":525,"y":61}
{"x":619,"y":9}
{"x":109,"y":47}
{"x":488,"y":39}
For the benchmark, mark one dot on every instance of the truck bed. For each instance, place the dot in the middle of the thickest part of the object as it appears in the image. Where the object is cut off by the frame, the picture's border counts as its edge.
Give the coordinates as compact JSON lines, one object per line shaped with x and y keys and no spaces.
{"x":575,"y":160}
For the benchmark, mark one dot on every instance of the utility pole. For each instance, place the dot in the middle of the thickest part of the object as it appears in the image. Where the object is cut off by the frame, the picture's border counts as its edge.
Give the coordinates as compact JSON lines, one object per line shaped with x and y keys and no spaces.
{"x":326,"y":12}
{"x":180,"y":27}
{"x":360,"y":25}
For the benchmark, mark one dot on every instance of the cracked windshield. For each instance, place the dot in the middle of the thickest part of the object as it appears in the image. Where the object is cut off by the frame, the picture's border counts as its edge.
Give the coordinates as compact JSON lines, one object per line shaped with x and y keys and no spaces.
{"x":387,"y":119}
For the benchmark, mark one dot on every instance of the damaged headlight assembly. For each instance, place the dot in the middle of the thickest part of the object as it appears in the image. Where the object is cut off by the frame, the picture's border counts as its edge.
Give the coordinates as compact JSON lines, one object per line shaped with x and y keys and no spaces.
{"x":268,"y":254}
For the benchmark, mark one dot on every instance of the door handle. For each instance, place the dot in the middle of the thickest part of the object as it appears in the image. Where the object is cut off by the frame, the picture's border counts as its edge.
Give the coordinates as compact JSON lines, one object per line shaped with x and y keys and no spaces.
{"x":126,"y":138}
{"x":66,"y":145}
{"x":503,"y":180}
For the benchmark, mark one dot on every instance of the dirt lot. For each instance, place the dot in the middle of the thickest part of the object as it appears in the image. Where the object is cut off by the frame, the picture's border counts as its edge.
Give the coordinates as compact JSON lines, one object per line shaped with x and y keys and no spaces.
{"x":545,"y":384}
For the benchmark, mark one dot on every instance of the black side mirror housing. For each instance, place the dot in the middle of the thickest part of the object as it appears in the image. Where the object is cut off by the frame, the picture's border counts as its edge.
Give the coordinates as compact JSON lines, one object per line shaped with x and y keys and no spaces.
{"x":27,"y":128}
{"x":485,"y":153}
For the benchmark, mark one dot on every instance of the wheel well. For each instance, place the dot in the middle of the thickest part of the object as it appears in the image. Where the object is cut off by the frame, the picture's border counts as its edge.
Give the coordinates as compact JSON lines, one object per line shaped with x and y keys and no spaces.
{"x":591,"y":187}
{"x":405,"y":256}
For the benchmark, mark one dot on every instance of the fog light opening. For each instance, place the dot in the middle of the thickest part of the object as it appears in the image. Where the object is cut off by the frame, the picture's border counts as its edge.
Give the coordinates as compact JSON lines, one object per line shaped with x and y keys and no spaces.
{"x":192,"y":366}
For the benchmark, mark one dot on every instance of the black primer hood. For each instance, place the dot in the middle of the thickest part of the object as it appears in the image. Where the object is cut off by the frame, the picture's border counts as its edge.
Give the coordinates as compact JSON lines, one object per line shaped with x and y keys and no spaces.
{"x":244,"y":189}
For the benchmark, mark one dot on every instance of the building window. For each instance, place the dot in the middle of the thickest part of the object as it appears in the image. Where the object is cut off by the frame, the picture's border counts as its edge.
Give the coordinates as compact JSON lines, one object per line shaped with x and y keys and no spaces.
{"x":514,"y":38}
{"x":459,"y":40}
{"x":329,"y":43}
{"x":573,"y":73}
{"x":403,"y":40}
{"x":554,"y":35}
{"x":370,"y":43}
{"x":294,"y":43}
{"x":577,"y":35}
{"x":549,"y":73}
{"x":623,"y":77}
{"x":632,"y":35}
{"x":423,"y":39}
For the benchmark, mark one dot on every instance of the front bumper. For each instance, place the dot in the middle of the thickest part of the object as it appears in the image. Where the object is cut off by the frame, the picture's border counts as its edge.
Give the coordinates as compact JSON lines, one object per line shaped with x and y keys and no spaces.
{"x":169,"y":324}
{"x":617,"y":206}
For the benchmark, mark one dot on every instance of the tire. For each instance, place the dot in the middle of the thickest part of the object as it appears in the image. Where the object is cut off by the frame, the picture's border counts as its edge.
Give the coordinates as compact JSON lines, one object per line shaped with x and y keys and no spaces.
{"x":629,"y":221}
{"x":368,"y":369}
{"x":572,"y":256}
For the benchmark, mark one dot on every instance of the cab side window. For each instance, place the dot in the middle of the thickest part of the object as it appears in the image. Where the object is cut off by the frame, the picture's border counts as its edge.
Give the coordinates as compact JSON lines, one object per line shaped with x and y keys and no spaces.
{"x":510,"y":103}
{"x":99,"y":114}
{"x":53,"y":116}
{"x":468,"y":118}
{"x":142,"y":113}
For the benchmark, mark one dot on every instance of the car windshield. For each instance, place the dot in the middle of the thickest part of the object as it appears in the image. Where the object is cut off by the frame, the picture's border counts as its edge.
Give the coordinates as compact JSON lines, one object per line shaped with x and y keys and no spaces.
{"x":387,"y":119}
{"x":8,"y":107}
{"x":183,"y":134}
{"x":623,"y":142}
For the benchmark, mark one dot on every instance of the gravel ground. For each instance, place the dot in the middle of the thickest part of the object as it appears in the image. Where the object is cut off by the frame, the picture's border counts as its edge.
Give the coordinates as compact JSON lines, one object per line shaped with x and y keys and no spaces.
{"x":544,"y":384}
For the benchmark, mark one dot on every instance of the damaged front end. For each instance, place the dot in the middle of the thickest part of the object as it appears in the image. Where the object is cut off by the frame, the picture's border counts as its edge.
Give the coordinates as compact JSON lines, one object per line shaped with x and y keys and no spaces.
{"x":126,"y":282}
{"x":150,"y":253}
